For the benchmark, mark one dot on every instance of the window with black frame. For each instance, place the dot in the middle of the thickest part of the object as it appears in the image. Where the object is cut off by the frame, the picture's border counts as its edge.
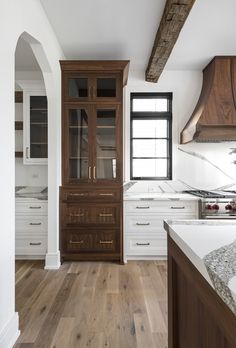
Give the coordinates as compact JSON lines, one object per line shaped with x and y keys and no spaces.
{"x":151,"y":136}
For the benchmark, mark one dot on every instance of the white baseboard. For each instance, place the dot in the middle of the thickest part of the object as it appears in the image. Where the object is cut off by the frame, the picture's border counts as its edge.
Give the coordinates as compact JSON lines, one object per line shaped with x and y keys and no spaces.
{"x":145,"y":258}
{"x":30,"y":257}
{"x":52,"y":261}
{"x":10,"y":333}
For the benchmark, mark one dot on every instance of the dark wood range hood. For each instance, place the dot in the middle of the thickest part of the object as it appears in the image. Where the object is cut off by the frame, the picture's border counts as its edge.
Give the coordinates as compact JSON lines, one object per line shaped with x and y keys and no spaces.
{"x":214,"y":117}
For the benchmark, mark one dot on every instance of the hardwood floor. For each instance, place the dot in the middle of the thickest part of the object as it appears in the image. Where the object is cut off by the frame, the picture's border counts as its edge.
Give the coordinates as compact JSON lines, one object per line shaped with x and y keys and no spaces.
{"x":92,"y":304}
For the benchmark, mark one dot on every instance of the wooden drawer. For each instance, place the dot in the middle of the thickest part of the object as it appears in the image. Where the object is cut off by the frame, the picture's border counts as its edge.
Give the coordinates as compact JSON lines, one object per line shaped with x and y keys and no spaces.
{"x":31,"y":245}
{"x":99,"y":214}
{"x":91,"y":241}
{"x":146,"y":246}
{"x":79,"y":195}
{"x":35,"y":208}
{"x":31,"y":224}
{"x":169,"y":207}
{"x":150,"y":223}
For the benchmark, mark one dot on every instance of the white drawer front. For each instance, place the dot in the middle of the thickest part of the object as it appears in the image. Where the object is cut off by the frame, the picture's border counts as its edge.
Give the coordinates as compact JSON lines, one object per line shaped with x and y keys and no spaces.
{"x":147,"y":223}
{"x":31,"y":246}
{"x":32,"y":224}
{"x":170,"y":207}
{"x":146,"y":246}
{"x":35,"y":208}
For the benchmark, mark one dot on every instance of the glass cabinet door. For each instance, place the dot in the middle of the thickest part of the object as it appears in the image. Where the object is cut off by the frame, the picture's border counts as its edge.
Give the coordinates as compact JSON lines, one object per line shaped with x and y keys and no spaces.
{"x":106,"y":144}
{"x":106,"y":87}
{"x":38,"y":127}
{"x":78,"y":87}
{"x":78,"y":144}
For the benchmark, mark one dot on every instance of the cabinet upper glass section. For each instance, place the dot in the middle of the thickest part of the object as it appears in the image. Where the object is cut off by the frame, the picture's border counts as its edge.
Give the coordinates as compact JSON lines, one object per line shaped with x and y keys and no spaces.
{"x":92,"y":87}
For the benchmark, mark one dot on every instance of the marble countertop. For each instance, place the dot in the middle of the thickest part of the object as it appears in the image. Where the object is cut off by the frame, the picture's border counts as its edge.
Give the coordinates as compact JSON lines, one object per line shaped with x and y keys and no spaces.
{"x":31,"y":192}
{"x":155,"y":196}
{"x":211,"y":247}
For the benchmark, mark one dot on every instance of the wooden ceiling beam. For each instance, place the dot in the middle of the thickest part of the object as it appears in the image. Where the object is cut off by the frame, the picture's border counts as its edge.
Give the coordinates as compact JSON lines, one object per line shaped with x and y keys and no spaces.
{"x":173,"y":18}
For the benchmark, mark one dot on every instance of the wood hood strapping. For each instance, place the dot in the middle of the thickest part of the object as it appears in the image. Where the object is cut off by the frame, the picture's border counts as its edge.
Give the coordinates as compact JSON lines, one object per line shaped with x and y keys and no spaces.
{"x":214,"y":117}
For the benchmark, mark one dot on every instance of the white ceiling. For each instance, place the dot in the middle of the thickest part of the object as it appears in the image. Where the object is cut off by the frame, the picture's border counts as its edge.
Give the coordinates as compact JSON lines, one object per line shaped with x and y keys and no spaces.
{"x":106,"y":29}
{"x":210,"y":30}
{"x":125,"y":29}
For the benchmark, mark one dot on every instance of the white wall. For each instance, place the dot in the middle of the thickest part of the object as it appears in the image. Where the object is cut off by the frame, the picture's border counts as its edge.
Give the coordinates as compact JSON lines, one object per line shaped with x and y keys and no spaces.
{"x":15,"y":18}
{"x":204,"y":165}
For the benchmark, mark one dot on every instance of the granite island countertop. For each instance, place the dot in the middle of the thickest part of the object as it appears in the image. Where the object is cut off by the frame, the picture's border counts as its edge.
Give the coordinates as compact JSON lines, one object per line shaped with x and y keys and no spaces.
{"x":211,"y":247}
{"x":27,"y":193}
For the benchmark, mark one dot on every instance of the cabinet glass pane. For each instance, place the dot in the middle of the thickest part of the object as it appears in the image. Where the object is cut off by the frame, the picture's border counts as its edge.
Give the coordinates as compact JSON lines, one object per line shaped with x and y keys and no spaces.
{"x":106,"y":144}
{"x":78,"y":87}
{"x":106,"y":87}
{"x":38,"y":127}
{"x":78,"y":143}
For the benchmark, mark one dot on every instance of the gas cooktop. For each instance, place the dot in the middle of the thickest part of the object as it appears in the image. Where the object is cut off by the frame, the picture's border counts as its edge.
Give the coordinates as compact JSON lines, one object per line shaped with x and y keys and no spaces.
{"x":212,"y":194}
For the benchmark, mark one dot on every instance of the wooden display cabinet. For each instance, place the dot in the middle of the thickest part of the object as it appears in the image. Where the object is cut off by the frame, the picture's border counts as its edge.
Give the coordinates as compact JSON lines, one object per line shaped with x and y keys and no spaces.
{"x":92,"y":170}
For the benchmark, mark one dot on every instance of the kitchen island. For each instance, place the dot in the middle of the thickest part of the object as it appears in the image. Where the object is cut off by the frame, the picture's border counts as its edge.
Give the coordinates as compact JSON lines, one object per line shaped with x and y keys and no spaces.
{"x":201,"y":283}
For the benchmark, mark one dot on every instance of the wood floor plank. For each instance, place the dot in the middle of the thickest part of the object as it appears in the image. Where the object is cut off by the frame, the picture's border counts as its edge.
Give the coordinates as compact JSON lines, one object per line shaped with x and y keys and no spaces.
{"x":92,"y":304}
{"x":143,"y":331}
{"x":63,"y":333}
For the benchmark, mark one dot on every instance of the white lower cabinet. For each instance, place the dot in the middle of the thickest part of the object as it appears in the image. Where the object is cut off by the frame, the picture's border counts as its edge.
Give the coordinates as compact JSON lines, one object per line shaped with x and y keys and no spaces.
{"x":145,"y":237}
{"x":31,"y":229}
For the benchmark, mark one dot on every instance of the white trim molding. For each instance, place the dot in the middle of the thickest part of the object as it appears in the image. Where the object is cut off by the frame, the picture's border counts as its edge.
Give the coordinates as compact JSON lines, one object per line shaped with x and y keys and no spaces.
{"x":52,"y":261}
{"x":10,"y":332}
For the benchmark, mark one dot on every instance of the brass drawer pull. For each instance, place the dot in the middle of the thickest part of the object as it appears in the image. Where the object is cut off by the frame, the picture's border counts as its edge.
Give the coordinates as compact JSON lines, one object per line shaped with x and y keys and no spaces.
{"x":78,"y":242}
{"x":77,"y":215}
{"x":106,"y":194}
{"x":177,"y":207}
{"x":105,"y":215}
{"x":106,"y":241}
{"x":39,"y":243}
{"x":35,"y":223}
{"x":142,"y":244}
{"x":142,"y":224}
{"x":76,"y":194}
{"x":142,"y":207}
{"x":38,"y":207}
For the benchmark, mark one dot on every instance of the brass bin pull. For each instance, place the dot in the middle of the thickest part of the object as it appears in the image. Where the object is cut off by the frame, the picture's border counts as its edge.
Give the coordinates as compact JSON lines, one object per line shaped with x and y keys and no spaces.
{"x":106,"y":241}
{"x":78,"y":242}
{"x":89,"y":173}
{"x":105,"y":215}
{"x":77,"y":215}
{"x":35,"y":243}
{"x":35,"y":223}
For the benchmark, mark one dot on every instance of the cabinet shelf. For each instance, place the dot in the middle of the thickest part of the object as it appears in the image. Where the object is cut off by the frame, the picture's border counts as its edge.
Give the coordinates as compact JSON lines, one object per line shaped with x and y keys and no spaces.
{"x":19,"y":154}
{"x":39,"y":124}
{"x":18,"y":125}
{"x":38,"y":109}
